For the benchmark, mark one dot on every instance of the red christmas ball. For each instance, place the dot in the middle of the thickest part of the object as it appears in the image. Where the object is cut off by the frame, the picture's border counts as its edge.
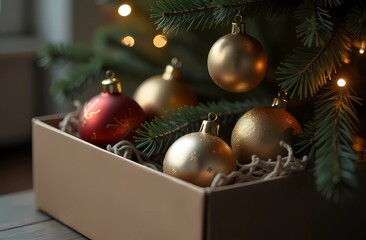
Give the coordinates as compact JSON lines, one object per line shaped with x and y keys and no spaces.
{"x":110,"y":117}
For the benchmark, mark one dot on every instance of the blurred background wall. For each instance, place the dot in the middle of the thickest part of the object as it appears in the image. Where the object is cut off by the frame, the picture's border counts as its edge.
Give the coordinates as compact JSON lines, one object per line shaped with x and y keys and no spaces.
{"x":25,"y":26}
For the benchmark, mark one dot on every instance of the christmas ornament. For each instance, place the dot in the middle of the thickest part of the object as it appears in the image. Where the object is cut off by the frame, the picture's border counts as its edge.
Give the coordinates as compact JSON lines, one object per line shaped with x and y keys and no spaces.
{"x":237,"y":62}
{"x":197,"y":157}
{"x":162,"y":93}
{"x":260,"y":130}
{"x":110,"y":116}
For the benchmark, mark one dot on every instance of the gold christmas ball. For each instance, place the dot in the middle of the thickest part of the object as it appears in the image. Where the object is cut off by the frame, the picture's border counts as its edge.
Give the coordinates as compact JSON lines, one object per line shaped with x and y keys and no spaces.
{"x":198,"y":157}
{"x":162,"y":93}
{"x":237,"y":62}
{"x":259,"y":132}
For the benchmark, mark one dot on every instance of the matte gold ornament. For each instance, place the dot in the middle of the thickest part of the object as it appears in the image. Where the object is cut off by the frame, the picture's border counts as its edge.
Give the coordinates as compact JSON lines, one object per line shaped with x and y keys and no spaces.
{"x":237,"y":62}
{"x":260,"y":130}
{"x":162,"y":93}
{"x":197,"y":157}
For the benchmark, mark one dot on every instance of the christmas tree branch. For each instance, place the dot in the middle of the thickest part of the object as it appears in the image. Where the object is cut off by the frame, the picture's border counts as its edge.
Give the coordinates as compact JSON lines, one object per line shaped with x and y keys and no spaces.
{"x":77,"y":80}
{"x":305,"y":143}
{"x":332,"y":3}
{"x":155,"y":137}
{"x":171,"y":15}
{"x":336,"y":124}
{"x":52,"y":53}
{"x":316,"y":27}
{"x":356,"y":22}
{"x":308,"y":69}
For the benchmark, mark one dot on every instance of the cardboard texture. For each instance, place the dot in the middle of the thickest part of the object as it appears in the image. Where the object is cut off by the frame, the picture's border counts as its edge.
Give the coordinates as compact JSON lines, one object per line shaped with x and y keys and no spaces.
{"x":104,"y":196}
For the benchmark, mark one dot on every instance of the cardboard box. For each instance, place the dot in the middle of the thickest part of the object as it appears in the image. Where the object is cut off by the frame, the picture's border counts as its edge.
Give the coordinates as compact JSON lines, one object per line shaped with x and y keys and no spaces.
{"x":104,"y":196}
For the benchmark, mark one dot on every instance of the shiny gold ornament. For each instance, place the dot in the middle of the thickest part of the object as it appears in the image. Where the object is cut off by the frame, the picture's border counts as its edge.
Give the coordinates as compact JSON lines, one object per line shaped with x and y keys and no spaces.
{"x":260,"y":130}
{"x":237,"y":62}
{"x":197,"y":157}
{"x":162,"y":93}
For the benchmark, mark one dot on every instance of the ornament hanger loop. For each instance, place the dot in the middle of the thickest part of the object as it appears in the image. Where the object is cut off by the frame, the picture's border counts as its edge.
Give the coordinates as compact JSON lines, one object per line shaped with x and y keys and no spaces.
{"x":212,"y":116}
{"x":238,"y":18}
{"x":110,"y":74}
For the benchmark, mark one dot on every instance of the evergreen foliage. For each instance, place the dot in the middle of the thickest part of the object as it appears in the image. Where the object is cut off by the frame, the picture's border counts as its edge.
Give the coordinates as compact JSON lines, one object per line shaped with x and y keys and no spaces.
{"x":89,"y":64}
{"x":336,"y":125}
{"x":155,"y":137}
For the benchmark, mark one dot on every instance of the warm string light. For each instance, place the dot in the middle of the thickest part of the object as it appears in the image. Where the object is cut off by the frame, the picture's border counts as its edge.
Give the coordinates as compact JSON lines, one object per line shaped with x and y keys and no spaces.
{"x":341,"y":82}
{"x":160,"y":41}
{"x":128,"y":41}
{"x":362,"y":47}
{"x":124,"y":10}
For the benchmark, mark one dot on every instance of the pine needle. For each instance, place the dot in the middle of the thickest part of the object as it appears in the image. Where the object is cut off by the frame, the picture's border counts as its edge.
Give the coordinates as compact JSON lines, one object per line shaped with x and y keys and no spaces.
{"x":155,"y":137}
{"x":65,"y":53}
{"x":172,"y":15}
{"x":308,"y":69}
{"x":336,"y":124}
{"x":316,"y":26}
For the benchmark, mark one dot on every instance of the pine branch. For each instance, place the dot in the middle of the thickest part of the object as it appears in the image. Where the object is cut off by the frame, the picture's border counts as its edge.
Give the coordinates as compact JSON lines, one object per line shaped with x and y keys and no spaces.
{"x":332,"y":3}
{"x":356,"y":22}
{"x":77,"y":80}
{"x":157,"y":136}
{"x":171,"y":15}
{"x":316,"y":27}
{"x":336,"y":124}
{"x":89,"y":65}
{"x":225,"y":10}
{"x":308,"y":69}
{"x":52,"y":53}
{"x":83,"y":75}
{"x":305,"y":142}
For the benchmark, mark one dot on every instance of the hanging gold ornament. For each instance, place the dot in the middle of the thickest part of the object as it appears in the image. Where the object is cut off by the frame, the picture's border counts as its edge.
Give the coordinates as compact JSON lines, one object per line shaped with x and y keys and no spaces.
{"x":260,"y":130}
{"x":162,"y":93}
{"x":237,"y":61}
{"x":197,"y":157}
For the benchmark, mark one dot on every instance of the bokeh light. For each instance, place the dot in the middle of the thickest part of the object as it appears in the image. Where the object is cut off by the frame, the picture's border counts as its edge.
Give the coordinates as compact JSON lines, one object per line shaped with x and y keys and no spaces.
{"x":341,"y":82}
{"x":124,"y":10}
{"x":128,"y":41}
{"x":160,"y":41}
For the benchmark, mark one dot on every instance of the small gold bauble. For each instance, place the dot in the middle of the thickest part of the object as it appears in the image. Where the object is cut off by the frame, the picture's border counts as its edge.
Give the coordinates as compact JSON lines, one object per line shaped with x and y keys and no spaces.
{"x":259,"y":132}
{"x":198,"y":157}
{"x":162,"y":93}
{"x":237,"y":62}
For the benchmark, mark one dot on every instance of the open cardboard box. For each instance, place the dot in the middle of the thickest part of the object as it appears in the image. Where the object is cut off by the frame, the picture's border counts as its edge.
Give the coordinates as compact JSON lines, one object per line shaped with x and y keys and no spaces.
{"x":105,"y":196}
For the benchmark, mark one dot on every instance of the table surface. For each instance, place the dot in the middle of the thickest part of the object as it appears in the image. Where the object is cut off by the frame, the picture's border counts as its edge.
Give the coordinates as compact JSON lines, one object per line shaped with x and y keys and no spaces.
{"x":20,"y":220}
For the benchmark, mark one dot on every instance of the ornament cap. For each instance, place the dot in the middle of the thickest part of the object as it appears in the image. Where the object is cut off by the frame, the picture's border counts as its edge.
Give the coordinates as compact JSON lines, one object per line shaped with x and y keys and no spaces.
{"x":210,"y":126}
{"x":111,"y":85}
{"x":238,"y":26}
{"x":173,"y":70}
{"x":280,"y":101}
